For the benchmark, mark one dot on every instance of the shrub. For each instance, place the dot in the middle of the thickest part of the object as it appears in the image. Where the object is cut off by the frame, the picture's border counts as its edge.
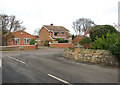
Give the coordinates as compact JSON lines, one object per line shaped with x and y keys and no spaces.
{"x":104,"y":43}
{"x":72,"y":48}
{"x":85,"y":40}
{"x":115,"y":50}
{"x":101,"y":30}
{"x":46,"y":43}
{"x":58,"y":39}
{"x":32,"y":42}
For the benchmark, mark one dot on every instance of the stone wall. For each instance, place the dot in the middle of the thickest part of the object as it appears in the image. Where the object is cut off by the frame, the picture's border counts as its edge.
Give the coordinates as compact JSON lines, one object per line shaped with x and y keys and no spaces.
{"x":90,"y":55}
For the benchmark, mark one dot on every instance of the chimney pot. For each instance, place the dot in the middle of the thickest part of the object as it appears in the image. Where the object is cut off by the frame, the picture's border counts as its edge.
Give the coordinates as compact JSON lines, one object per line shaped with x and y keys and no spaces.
{"x":51,"y":24}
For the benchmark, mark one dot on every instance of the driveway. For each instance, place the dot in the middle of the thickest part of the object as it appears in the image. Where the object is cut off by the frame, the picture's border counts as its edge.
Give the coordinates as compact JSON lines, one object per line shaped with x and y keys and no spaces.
{"x":46,"y":65}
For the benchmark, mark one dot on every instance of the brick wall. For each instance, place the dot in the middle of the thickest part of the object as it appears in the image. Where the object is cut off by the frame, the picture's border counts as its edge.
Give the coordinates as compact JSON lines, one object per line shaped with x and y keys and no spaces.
{"x":24,"y":47}
{"x":62,"y":45}
{"x":9,"y":47}
{"x":44,"y":34}
{"x":29,"y":47}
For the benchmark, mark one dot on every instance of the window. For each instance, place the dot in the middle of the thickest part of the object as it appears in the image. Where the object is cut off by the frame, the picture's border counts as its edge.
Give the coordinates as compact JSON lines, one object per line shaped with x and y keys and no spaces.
{"x":26,"y":40}
{"x":15,"y":40}
{"x":56,"y":33}
{"x":63,"y":33}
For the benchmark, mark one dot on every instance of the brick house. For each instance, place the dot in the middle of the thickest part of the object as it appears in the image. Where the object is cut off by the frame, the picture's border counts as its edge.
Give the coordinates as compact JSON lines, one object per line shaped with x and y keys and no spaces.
{"x":20,"y":38}
{"x":51,"y":33}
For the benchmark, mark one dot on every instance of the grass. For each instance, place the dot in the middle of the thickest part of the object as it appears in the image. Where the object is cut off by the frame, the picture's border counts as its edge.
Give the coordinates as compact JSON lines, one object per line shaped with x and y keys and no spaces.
{"x":52,"y":47}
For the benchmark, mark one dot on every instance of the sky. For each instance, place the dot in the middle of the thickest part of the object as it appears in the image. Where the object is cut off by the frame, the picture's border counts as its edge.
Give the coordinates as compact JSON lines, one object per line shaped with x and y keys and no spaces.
{"x":36,"y":13}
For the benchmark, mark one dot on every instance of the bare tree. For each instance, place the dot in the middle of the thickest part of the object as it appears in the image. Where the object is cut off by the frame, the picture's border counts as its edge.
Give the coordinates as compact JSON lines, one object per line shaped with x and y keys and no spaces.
{"x":9,"y":23}
{"x":13,"y":23}
{"x":82,"y":25}
{"x":36,"y":31}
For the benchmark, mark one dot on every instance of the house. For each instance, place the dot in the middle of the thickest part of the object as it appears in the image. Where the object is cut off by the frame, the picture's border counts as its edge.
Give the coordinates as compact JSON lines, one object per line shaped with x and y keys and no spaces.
{"x":87,"y":34}
{"x":51,"y":33}
{"x":77,"y":39}
{"x":20,"y":38}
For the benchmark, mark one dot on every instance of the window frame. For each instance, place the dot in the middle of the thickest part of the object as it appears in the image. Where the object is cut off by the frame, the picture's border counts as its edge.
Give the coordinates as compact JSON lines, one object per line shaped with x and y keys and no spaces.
{"x":25,"y":41}
{"x":63,"y":32}
{"x":18,"y":42}
{"x":57,"y":33}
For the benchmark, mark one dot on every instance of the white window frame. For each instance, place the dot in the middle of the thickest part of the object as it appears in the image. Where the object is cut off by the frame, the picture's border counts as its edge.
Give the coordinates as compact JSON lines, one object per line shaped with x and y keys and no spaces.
{"x":15,"y":42}
{"x":63,"y":32}
{"x":25,"y":42}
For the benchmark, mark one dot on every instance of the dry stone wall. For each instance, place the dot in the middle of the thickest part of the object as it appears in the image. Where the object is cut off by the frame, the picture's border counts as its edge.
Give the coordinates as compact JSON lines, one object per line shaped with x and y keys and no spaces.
{"x":90,"y":55}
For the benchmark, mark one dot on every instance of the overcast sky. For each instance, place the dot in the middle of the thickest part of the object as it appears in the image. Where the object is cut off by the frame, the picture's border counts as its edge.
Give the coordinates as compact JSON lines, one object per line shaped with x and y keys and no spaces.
{"x":35,"y":13}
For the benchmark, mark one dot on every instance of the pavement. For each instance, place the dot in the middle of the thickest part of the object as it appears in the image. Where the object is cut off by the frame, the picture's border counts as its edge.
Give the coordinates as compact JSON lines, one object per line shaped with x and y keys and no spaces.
{"x":0,"y":67}
{"x":46,"y":65}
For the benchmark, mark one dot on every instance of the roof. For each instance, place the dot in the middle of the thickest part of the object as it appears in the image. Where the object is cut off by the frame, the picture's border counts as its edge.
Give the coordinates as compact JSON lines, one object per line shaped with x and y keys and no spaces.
{"x":87,"y":32}
{"x":18,"y":31}
{"x":76,"y":39}
{"x":56,"y":28}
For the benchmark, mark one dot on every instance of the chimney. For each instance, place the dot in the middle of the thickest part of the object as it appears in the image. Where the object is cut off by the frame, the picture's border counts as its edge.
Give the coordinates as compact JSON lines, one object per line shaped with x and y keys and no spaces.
{"x":51,"y":24}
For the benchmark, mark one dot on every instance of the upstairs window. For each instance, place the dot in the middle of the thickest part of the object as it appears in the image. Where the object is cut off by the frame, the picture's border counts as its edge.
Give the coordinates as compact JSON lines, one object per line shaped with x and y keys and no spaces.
{"x":56,"y":33}
{"x":63,"y":33}
{"x":15,"y":40}
{"x":26,"y":40}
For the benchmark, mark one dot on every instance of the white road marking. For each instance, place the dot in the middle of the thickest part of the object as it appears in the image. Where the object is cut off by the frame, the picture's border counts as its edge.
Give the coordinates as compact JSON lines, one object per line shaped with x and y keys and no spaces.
{"x":59,"y":79}
{"x":16,"y":60}
{"x":0,"y":63}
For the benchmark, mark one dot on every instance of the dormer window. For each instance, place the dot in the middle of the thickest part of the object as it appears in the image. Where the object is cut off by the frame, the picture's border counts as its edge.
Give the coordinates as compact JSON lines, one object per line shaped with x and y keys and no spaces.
{"x":63,"y":33}
{"x":56,"y":33}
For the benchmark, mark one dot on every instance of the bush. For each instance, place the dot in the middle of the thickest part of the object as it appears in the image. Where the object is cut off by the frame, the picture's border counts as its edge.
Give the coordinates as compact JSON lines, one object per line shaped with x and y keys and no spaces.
{"x":46,"y":43}
{"x":32,"y":42}
{"x":85,"y":40}
{"x":115,"y":50}
{"x":104,"y":43}
{"x":72,"y":48}
{"x":58,"y":39}
{"x":101,"y":30}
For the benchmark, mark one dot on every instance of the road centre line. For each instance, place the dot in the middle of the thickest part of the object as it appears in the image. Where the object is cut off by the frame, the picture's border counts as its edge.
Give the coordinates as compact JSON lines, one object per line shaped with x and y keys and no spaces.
{"x":16,"y":60}
{"x":59,"y":79}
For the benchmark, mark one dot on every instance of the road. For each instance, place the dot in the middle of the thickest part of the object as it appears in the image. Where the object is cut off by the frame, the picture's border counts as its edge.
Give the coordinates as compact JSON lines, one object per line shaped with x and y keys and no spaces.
{"x":46,"y":65}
